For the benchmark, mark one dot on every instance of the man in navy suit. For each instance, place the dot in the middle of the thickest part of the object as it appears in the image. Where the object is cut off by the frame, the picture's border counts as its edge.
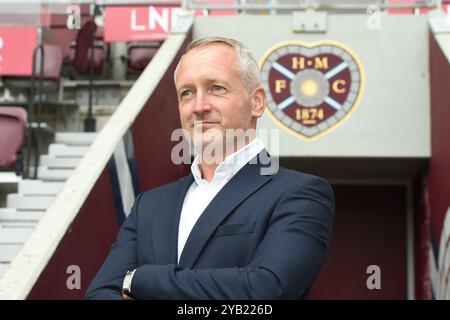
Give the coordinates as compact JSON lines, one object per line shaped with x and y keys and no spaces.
{"x":230,"y":229}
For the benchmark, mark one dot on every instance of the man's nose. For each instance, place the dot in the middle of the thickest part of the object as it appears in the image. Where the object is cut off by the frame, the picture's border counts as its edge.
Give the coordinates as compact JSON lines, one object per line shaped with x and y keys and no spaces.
{"x":202,"y":104}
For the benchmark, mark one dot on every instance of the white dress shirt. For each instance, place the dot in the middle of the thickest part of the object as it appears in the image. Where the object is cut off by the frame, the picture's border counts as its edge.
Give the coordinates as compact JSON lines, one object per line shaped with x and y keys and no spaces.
{"x":201,"y":192}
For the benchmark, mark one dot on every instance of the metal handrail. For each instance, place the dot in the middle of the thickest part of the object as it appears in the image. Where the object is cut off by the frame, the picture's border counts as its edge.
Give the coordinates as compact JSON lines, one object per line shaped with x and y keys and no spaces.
{"x":324,"y":6}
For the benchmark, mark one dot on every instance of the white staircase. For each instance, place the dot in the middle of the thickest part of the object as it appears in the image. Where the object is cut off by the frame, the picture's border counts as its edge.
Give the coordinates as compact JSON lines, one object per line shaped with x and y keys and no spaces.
{"x":25,"y":208}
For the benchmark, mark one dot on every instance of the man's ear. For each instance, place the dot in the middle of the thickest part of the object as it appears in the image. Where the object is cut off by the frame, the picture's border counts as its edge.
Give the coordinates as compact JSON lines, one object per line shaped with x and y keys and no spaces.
{"x":258,"y":98}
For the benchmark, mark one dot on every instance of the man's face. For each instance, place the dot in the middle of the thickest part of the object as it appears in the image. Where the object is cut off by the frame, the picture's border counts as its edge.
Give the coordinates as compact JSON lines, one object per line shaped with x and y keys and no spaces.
{"x":212,"y":97}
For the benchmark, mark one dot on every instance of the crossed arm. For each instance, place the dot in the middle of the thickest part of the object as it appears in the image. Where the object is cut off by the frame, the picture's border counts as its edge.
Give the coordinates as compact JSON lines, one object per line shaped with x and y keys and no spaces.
{"x":284,"y":265}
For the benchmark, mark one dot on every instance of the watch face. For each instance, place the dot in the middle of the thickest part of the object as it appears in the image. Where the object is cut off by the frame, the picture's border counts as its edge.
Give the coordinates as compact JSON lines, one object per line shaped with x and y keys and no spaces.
{"x":311,"y":88}
{"x":126,"y":286}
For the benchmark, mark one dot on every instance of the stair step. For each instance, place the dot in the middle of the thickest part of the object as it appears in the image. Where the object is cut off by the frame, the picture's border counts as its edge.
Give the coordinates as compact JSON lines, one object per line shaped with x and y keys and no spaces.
{"x":54,"y":174}
{"x":75,"y":138}
{"x":19,"y":201}
{"x":62,"y":150}
{"x":19,"y":224}
{"x":3,"y":267}
{"x":39,"y":187}
{"x":8,"y":252}
{"x":9,"y":177}
{"x":14,"y":235}
{"x":14,"y":215}
{"x":59,"y":163}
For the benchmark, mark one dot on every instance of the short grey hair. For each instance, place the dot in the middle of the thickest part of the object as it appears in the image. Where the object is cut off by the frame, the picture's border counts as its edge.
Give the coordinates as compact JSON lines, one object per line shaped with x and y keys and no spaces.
{"x":248,"y":66}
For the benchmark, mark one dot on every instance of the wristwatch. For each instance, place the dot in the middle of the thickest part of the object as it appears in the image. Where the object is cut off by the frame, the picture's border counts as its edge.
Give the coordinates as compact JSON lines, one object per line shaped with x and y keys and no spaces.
{"x":126,"y":286}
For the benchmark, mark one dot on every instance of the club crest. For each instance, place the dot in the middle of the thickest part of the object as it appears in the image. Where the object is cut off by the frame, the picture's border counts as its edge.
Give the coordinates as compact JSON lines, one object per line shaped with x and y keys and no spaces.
{"x":311,"y":88}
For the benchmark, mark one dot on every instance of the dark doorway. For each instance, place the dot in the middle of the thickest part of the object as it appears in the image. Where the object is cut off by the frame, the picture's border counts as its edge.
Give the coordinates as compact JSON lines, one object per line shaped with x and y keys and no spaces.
{"x":370,"y":229}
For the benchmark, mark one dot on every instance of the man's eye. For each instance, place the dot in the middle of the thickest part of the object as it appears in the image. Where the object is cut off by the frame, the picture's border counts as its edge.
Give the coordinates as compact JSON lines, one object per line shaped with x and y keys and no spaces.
{"x":217,"y":88}
{"x":186,"y":93}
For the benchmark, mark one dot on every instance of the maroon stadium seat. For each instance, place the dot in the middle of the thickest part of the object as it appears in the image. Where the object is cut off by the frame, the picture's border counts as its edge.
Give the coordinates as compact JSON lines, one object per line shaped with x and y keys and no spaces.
{"x":51,"y":72}
{"x":62,"y":37}
{"x":82,"y":50}
{"x":139,"y":55}
{"x":53,"y":56}
{"x":12,"y":131}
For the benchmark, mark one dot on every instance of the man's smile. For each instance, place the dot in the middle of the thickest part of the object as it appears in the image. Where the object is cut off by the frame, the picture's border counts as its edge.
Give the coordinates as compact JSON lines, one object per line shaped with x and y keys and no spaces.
{"x":206,"y":124}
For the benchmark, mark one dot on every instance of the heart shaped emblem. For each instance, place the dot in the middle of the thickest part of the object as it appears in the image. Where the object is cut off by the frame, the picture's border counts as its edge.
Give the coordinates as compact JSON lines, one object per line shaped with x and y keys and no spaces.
{"x":311,"y":88}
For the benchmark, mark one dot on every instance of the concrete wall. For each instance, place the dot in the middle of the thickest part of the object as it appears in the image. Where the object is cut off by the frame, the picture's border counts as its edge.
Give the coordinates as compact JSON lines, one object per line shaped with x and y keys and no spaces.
{"x":392,"y":120}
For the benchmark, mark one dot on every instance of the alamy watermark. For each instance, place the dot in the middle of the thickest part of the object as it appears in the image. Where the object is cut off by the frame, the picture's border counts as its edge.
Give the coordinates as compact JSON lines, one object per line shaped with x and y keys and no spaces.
{"x":213,"y":145}
{"x":374,"y":280}
{"x":373,"y":21}
{"x":74,"y":280}
{"x":73,"y":17}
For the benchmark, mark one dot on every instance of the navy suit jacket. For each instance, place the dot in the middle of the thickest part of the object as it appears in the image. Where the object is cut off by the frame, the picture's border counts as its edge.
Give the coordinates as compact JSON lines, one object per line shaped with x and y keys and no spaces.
{"x":261,"y":237}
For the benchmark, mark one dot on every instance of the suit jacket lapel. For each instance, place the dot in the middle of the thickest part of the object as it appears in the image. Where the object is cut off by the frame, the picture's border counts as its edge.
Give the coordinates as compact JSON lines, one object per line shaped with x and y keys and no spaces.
{"x":165,"y":223}
{"x":247,"y":181}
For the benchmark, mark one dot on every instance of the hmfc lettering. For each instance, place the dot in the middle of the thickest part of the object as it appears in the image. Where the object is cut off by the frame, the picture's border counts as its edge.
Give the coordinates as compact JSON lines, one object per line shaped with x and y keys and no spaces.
{"x":339,"y":86}
{"x":316,"y":63}
{"x":280,"y":85}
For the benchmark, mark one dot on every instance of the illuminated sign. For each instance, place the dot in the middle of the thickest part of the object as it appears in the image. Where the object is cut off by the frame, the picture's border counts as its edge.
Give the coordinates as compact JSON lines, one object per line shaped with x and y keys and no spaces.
{"x":16,"y":50}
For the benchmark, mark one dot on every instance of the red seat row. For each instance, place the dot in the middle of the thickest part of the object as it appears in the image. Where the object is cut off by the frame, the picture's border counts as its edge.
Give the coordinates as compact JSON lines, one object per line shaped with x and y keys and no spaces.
{"x":13,"y":121}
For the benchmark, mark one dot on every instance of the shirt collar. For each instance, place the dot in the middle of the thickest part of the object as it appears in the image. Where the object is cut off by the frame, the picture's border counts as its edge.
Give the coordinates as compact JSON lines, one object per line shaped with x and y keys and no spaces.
{"x":231,"y":164}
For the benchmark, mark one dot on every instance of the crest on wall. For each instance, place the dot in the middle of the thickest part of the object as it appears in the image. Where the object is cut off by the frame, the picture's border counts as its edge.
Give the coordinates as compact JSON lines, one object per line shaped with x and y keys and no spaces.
{"x":311,"y":88}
